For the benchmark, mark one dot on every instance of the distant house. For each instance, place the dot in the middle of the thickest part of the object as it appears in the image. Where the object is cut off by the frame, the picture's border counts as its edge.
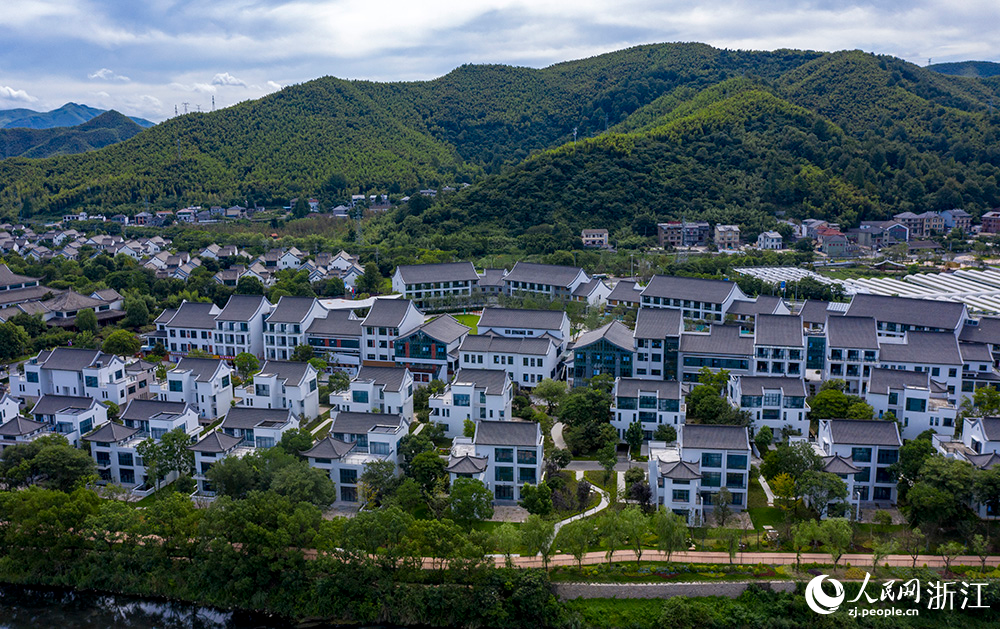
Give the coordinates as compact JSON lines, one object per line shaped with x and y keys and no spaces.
{"x":595,"y":238}
{"x":769,"y":240}
{"x":727,"y":236}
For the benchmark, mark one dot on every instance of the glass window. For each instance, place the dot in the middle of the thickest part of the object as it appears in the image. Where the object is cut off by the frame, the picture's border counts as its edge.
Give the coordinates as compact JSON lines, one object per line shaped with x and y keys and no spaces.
{"x":504,"y":455}
{"x":527,"y":457}
{"x":461,"y":399}
{"x":503,"y":474}
{"x":735,"y":480}
{"x":681,"y":495}
{"x":125,"y":459}
{"x":349,"y":494}
{"x":90,"y":381}
{"x":359,"y":397}
{"x":348,"y":477}
{"x":887,"y":457}
{"x":503,"y":492}
{"x":526,"y":475}
{"x":916,"y":404}
{"x":378,"y":447}
{"x":882,"y":475}
{"x":861,"y":455}
{"x":710,"y":459}
{"x":864,"y":475}
{"x":711,"y":479}
{"x":176,"y":386}
{"x":736,"y":461}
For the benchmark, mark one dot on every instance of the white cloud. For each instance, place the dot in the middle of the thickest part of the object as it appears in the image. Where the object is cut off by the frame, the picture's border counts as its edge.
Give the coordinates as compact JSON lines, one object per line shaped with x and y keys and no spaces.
{"x":228,"y":80}
{"x":106,"y":74}
{"x":9,"y":93}
{"x":274,"y":85}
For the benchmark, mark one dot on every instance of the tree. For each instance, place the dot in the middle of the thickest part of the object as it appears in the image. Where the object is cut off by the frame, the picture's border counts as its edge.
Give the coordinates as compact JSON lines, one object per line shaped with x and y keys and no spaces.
{"x":249,"y":285}
{"x":829,"y":404}
{"x":575,"y":538}
{"x":427,"y":468}
{"x":468,"y":428}
{"x":378,"y":482}
{"x":339,"y":381}
{"x":804,"y":534}
{"x":113,"y":410}
{"x":722,"y":501}
{"x":911,"y":541}
{"x":912,"y":456}
{"x":371,"y":282}
{"x":986,"y":489}
{"x":302,"y":353}
{"x":318,"y":364}
{"x":86,"y":321}
{"x":882,"y":549}
{"x":295,"y":441}
{"x":611,"y":532}
{"x":246,"y":365}
{"x":665,"y":432}
{"x":732,"y":538}
{"x":783,"y":486}
{"x":980,"y":547}
{"x":121,"y":343}
{"x":410,"y":446}
{"x":764,"y":437}
{"x":14,"y":341}
{"x":671,"y":531}
{"x":301,"y":483}
{"x":985,"y":402}
{"x":633,"y":437}
{"x":470,"y":500}
{"x":792,"y":459}
{"x":608,"y":458}
{"x":537,"y":535}
{"x":583,"y":490}
{"x":822,"y":488}
{"x":949,"y":551}
{"x":836,"y":535}
{"x":551,"y":392}
{"x":506,"y":539}
{"x":635,"y":527}
{"x":942,"y":492}
{"x":860,"y":410}
{"x":136,"y":313}
{"x":537,"y":499}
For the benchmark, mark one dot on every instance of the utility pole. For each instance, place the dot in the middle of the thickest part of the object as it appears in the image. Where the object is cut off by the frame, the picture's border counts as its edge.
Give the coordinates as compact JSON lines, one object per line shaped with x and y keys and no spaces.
{"x":185,"y":107}
{"x":213,"y":103}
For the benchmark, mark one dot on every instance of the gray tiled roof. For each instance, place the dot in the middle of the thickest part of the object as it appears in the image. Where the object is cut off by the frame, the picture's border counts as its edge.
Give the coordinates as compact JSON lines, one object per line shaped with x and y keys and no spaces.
{"x":714,"y":437}
{"x":216,"y":442}
{"x":194,"y":315}
{"x":524,"y":319}
{"x":71,"y":359}
{"x":291,"y":310}
{"x":616,"y":333}
{"x":657,"y":323}
{"x":445,"y":328}
{"x":988,"y":331}
{"x":923,"y":347}
{"x":506,"y":433}
{"x":494,"y":343}
{"x":815,"y":312}
{"x":679,"y":470}
{"x":391,"y":378}
{"x":916,"y":312}
{"x":721,"y":339}
{"x":247,"y":417}
{"x":31,"y":293}
{"x":852,"y":333}
{"x":755,"y":385}
{"x":242,"y":307}
{"x":50,"y":404}
{"x":166,"y":315}
{"x":71,"y":301}
{"x":445,"y":272}
{"x":467,"y":464}
{"x":360,"y":423}
{"x":625,"y":291}
{"x":111,"y":433}
{"x":492,"y":380}
{"x":884,"y":379}
{"x":19,"y":426}
{"x":336,"y":323}
{"x":291,"y":372}
{"x":975,"y":352}
{"x":202,"y":368}
{"x":8,"y":277}
{"x":492,"y":277}
{"x":387,"y":313}
{"x":586,"y":288}
{"x":862,"y":432}
{"x":763,"y":304}
{"x":144,"y":409}
{"x":543,"y":274}
{"x":984,"y":461}
{"x":991,"y":427}
{"x":785,"y":330}
{"x":692,"y":288}
{"x":329,"y":448}
{"x":837,"y":464}
{"x":630,"y":387}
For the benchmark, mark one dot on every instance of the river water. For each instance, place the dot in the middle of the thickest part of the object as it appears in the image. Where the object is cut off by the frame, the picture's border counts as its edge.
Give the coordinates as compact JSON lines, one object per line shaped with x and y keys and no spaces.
{"x":41,"y":608}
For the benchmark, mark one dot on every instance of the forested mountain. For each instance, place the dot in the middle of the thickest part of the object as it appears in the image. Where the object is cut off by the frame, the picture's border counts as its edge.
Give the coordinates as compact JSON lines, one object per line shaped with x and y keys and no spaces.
{"x":69,"y":115}
{"x":107,"y":128}
{"x":662,"y":131}
{"x":982,"y":69}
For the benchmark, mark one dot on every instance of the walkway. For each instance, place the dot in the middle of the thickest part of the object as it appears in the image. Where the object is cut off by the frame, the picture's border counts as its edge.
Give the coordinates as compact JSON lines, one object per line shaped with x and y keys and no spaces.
{"x":589,"y":512}
{"x":767,"y":490}
{"x":557,"y":436}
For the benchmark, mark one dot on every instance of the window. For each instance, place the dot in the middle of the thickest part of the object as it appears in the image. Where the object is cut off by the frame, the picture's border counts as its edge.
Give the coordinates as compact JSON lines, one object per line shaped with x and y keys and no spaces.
{"x":461,"y":399}
{"x":176,"y":386}
{"x":861,"y":455}
{"x":526,"y":475}
{"x":348,"y":477}
{"x":887,"y":457}
{"x":125,"y":459}
{"x":864,"y":475}
{"x":90,"y":381}
{"x":709,"y":459}
{"x":681,"y":495}
{"x":882,"y":475}
{"x":378,"y":447}
{"x":711,"y":479}
{"x":128,"y":477}
{"x":503,"y":474}
{"x":527,"y":457}
{"x":264,"y":442}
{"x":737,"y":481}
{"x":348,"y":494}
{"x":916,"y":405}
{"x":734,"y":461}
{"x":504,"y":455}
{"x":32,"y":376}
{"x":359,"y":397}
{"x":503,"y":492}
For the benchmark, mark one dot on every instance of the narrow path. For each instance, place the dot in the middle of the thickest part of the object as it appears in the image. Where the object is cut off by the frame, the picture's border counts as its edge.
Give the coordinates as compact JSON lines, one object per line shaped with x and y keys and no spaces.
{"x":557,"y":436}
{"x":767,"y":490}
{"x":320,"y":427}
{"x":603,"y":504}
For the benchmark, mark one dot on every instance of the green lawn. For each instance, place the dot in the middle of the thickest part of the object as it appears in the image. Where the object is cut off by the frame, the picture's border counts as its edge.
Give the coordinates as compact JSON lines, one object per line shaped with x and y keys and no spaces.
{"x":471,"y":320}
{"x":766,"y":516}
{"x":596,"y":477}
{"x":608,"y":613}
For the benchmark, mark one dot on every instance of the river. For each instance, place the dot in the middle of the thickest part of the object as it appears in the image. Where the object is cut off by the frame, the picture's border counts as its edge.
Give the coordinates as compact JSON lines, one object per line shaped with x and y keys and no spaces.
{"x":44,"y":608}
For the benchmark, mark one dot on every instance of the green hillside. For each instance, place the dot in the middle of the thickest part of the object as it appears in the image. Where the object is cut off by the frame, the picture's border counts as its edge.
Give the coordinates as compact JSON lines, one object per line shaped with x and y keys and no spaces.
{"x":108,"y":128}
{"x":975,"y":69}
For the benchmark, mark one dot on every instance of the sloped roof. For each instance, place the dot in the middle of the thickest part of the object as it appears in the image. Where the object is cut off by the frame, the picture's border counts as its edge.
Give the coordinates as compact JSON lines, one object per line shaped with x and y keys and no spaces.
{"x":837,"y":464}
{"x":194,"y":315}
{"x":987,"y":331}
{"x":291,"y":309}
{"x":586,"y":288}
{"x":679,"y":470}
{"x":783,"y":330}
{"x":625,"y":290}
{"x":247,"y":417}
{"x":391,"y":378}
{"x":445,"y":328}
{"x":991,"y":427}
{"x":667,"y":390}
{"x":19,"y":426}
{"x":387,"y":313}
{"x":216,"y":442}
{"x":975,"y":352}
{"x":144,"y":409}
{"x":815,"y":311}
{"x":111,"y":433}
{"x":336,"y":323}
{"x":359,"y":423}
{"x":657,"y":323}
{"x":915,"y":312}
{"x":763,"y":304}
{"x":852,"y":332}
{"x":984,"y":461}
{"x":50,"y":404}
{"x":923,"y":347}
{"x":292,"y":372}
{"x":690,"y":288}
{"x":537,"y":346}
{"x":714,"y":437}
{"x":721,"y":339}
{"x":524,"y":319}
{"x":467,"y":464}
{"x":549,"y":274}
{"x":864,"y":432}
{"x":242,"y":307}
{"x":202,"y":368}
{"x":492,"y":277}
{"x":616,"y":333}
{"x":72,"y":359}
{"x":444,"y":272}
{"x":755,"y":385}
{"x":506,"y":433}
{"x":492,"y":380}
{"x":329,"y":448}
{"x":884,"y":379}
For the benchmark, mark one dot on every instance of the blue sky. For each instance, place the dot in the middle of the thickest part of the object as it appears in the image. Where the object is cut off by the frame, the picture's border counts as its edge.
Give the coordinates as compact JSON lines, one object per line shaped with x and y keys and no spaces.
{"x":144,"y":57}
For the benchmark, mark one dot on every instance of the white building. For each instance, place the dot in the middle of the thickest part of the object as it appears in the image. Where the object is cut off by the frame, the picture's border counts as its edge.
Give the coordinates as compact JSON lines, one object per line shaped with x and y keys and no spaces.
{"x":281,"y":384}
{"x":897,"y":315}
{"x":657,"y":343}
{"x":915,"y":399}
{"x":852,"y":351}
{"x":285,"y":327}
{"x":209,"y":450}
{"x":651,"y":403}
{"x":698,"y":299}
{"x":434,"y":286}
{"x":474,"y":394}
{"x":387,"y":320}
{"x":514,"y":323}
{"x":544,"y":280}
{"x":982,"y":435}
{"x":378,"y":390}
{"x":779,"y":346}
{"x":527,"y":361}
{"x":934,"y":352}
{"x":430,"y":351}
{"x":191,"y":326}
{"x":778,"y":403}
{"x":81,"y":372}
{"x":239,"y":328}
{"x":769,"y":240}
{"x":204,"y":383}
{"x":18,"y":430}
{"x":721,"y":347}
{"x":258,"y":427}
{"x":336,"y":339}
{"x":872,"y":446}
{"x":70,"y":416}
{"x":503,"y":455}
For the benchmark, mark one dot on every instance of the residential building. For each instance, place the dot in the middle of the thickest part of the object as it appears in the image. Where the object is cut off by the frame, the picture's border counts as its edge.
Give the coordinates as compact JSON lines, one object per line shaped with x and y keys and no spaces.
{"x":957,"y":218}
{"x":82,"y":372}
{"x":70,"y":416}
{"x":62,"y":309}
{"x":745,"y":312}
{"x":191,"y":326}
{"x":387,"y":320}
{"x":698,"y":299}
{"x":527,"y":361}
{"x":505,"y":455}
{"x":769,"y":240}
{"x":982,"y":434}
{"x":515,"y":323}
{"x":281,"y":384}
{"x":727,"y":236}
{"x":336,"y":339}
{"x":934,"y":352}
{"x":593,"y":293}
{"x":258,"y":427}
{"x":897,"y":315}
{"x":872,"y":446}
{"x":595,"y":238}
{"x":776,"y":402}
{"x":239,"y":328}
{"x":916,"y":401}
{"x":15,"y":429}
{"x":651,"y":403}
{"x":721,"y":347}
{"x":606,"y":350}
{"x":474,"y":394}
{"x":626,"y":293}
{"x":852,"y":351}
{"x":285,"y":327}
{"x":990,"y":222}
{"x":378,"y":390}
{"x":683,"y":234}
{"x":213,"y":448}
{"x":545,"y":280}
{"x":657,"y":338}
{"x":203,"y":383}
{"x":430,"y":351}
{"x":438,"y":286}
{"x":779,"y":346}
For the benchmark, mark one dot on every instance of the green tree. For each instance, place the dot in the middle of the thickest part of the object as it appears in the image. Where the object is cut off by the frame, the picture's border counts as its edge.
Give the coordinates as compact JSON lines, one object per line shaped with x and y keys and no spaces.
{"x":722,"y":506}
{"x":822,"y":488}
{"x":370,"y":282}
{"x":949,"y":551}
{"x":246,"y":365}
{"x":136,"y":313}
{"x":830,"y":404}
{"x":635,"y":527}
{"x":942,"y":492}
{"x":378,"y":482}
{"x":912,"y":457}
{"x":860,"y":410}
{"x":427,"y":468}
{"x":665,"y":432}
{"x":575,"y":538}
{"x":783,"y":486}
{"x":302,"y":353}
{"x":671,"y":531}
{"x":607,"y":456}
{"x":339,"y":381}
{"x":86,"y":321}
{"x":410,"y":446}
{"x":249,"y":285}
{"x":980,"y":546}
{"x":804,"y":535}
{"x":122,"y":343}
{"x":468,"y":428}
{"x":295,"y":441}
{"x":551,"y":392}
{"x":301,"y":483}
{"x":764,"y":437}
{"x":506,"y":539}
{"x":836,"y":535}
{"x":14,"y":341}
{"x":470,"y":500}
{"x":537,"y":499}
{"x":537,"y":535}
{"x":633,"y":437}
{"x":792,"y":459}
{"x":986,"y":489}
{"x":881,"y":549}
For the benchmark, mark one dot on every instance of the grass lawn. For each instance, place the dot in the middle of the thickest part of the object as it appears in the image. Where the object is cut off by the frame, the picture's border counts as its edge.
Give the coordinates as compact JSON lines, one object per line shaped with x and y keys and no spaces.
{"x":596,"y":477}
{"x":606,"y":613}
{"x":471,"y":320}
{"x":766,"y":516}
{"x":156,"y":496}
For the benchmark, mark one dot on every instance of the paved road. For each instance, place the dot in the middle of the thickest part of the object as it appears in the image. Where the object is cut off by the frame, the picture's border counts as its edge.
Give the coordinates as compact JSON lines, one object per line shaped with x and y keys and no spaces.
{"x":557,"y":436}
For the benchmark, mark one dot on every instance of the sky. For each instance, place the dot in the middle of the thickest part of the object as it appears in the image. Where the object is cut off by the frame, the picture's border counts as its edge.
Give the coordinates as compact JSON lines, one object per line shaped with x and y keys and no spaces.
{"x":147,"y":57}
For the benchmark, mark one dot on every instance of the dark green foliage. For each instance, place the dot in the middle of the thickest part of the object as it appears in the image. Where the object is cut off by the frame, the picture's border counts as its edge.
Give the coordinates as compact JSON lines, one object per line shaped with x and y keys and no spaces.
{"x":108,"y":128}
